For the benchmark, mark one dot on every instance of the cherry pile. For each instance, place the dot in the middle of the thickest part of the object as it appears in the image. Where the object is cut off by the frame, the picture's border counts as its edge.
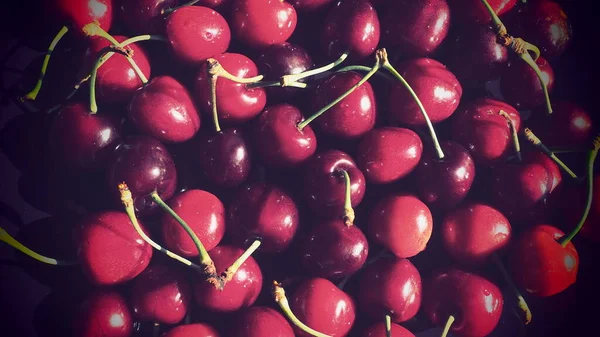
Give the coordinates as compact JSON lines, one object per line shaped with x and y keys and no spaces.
{"x":251,"y":168}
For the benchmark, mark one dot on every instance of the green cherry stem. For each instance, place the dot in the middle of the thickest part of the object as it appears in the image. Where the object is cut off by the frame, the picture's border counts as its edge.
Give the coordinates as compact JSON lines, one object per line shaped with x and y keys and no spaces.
{"x":265,"y":84}
{"x":521,"y":300}
{"x":533,"y":139}
{"x":227,"y":275}
{"x":287,"y":80}
{"x":171,"y":10}
{"x":515,"y":135}
{"x":449,"y":323}
{"x":500,"y":28}
{"x":348,"y":210}
{"x":11,"y":241}
{"x":365,"y":69}
{"x":94,"y":76}
{"x":213,"y":101}
{"x":588,"y":205}
{"x":388,"y":326}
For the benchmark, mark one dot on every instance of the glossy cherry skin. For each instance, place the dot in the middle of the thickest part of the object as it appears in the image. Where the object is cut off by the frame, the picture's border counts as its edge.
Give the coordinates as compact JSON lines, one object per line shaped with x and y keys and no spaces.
{"x":278,"y":140}
{"x":259,"y":321}
{"x":192,"y":330}
{"x":390,"y":286}
{"x":324,"y":187}
{"x":203,"y":212}
{"x":520,"y":85}
{"x":145,"y":165}
{"x":478,"y":127}
{"x":261,"y":23}
{"x":224,"y":157}
{"x":468,"y":12}
{"x":161,"y":294}
{"x":354,"y":115}
{"x":103,"y":313}
{"x":283,"y":59}
{"x":110,"y":249}
{"x":402,"y":224}
{"x":475,"y":302}
{"x":80,"y":13}
{"x":196,"y":33}
{"x":540,"y":265}
{"x":164,"y":109}
{"x":235,"y":103}
{"x":353,"y":26}
{"x":379,"y":330}
{"x":416,"y":28}
{"x":144,"y":16}
{"x":83,"y":140}
{"x":442,"y":184}
{"x":437,"y":88}
{"x":265,"y":212}
{"x":241,"y":292}
{"x":333,"y":250}
{"x":321,"y":305}
{"x":569,"y":125}
{"x":387,"y":154}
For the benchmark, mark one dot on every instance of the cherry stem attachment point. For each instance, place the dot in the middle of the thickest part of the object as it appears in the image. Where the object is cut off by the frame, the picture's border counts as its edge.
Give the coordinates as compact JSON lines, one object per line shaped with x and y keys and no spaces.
{"x":11,"y":241}
{"x":514,"y":132}
{"x":500,"y":28}
{"x":533,"y":139}
{"x":349,"y":215}
{"x":449,"y":323}
{"x":287,"y":80}
{"x":388,"y":326}
{"x":216,"y":69}
{"x":227,"y":275}
{"x":521,"y":301}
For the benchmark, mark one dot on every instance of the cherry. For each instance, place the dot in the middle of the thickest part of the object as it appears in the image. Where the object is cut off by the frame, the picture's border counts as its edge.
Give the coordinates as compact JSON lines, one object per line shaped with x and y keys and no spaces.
{"x":387,"y":154}
{"x":478,"y":126}
{"x":196,"y":33}
{"x":240,"y":292}
{"x":521,"y":87}
{"x":444,"y":183}
{"x":379,"y":330}
{"x":261,"y":23}
{"x":278,"y":140}
{"x":237,"y":104}
{"x":259,"y":321}
{"x":569,"y":125}
{"x":473,"y":11}
{"x":80,"y":13}
{"x":354,"y":115}
{"x":474,"y":302}
{"x":161,"y":294}
{"x":310,"y":5}
{"x":103,"y":313}
{"x":146,"y":166}
{"x":416,"y":28}
{"x":333,"y":250}
{"x":192,"y":330}
{"x":322,"y":306}
{"x":203,"y":212}
{"x":145,"y":16}
{"x":165,"y":110}
{"x":437,"y":88}
{"x":402,"y":224}
{"x":390,"y":286}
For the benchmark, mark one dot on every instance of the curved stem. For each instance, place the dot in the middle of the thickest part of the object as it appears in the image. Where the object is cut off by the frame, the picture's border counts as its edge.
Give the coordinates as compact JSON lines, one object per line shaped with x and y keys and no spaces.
{"x":11,"y":241}
{"x":287,"y":80}
{"x":265,"y":84}
{"x":94,"y":76}
{"x":448,"y":325}
{"x":216,"y":69}
{"x":529,"y":60}
{"x":282,"y":301}
{"x":522,"y":303}
{"x":365,"y":69}
{"x":388,"y":326}
{"x":497,"y":22}
{"x":171,"y":10}
{"x":348,"y":211}
{"x":213,"y":102}
{"x":533,"y":139}
{"x":227,"y":275}
{"x":514,"y":132}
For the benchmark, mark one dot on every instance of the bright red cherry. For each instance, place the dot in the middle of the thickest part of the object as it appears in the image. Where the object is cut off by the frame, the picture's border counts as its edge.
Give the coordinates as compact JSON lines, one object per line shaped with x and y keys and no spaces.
{"x":192,"y":330}
{"x":261,"y":23}
{"x":379,"y":330}
{"x":468,"y":12}
{"x":521,"y":87}
{"x":145,"y":16}
{"x":569,"y":125}
{"x":80,"y":13}
{"x":103,"y":313}
{"x":259,"y":321}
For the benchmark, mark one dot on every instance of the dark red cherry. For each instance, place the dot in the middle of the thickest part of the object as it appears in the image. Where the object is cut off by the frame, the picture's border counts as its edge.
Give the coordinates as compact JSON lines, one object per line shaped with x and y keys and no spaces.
{"x":192,"y":330}
{"x":468,"y":12}
{"x":103,"y":313}
{"x":387,"y":154}
{"x":161,"y":294}
{"x":80,"y":13}
{"x":278,"y":140}
{"x":415,"y":28}
{"x":379,"y":330}
{"x":310,"y":5}
{"x":259,"y":321}
{"x":261,"y":23}
{"x":569,"y":125}
{"x":196,"y":33}
{"x":521,"y":87}
{"x":164,"y":109}
{"x":205,"y":215}
{"x":145,"y":165}
{"x":437,"y":88}
{"x":144,"y":16}
{"x":235,"y":103}
{"x":322,"y":306}
{"x":351,"y":26}
{"x":354,"y":115}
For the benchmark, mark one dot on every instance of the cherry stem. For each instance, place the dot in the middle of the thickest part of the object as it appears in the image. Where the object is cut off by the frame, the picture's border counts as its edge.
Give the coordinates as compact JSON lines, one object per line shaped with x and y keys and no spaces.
{"x":349,"y":215}
{"x":448,"y":325}
{"x":365,"y":69}
{"x":32,"y":95}
{"x":378,"y":63}
{"x":514,"y":132}
{"x":265,"y":84}
{"x":94,"y":76}
{"x":11,"y":241}
{"x":529,"y":60}
{"x":227,"y":275}
{"x":522,"y":303}
{"x":287,"y":80}
{"x":533,"y":139}
{"x":500,"y":28}
{"x":171,"y":10}
{"x":213,"y":102}
{"x":216,"y":69}
{"x":388,"y":326}
{"x":282,"y":301}
{"x":588,"y":205}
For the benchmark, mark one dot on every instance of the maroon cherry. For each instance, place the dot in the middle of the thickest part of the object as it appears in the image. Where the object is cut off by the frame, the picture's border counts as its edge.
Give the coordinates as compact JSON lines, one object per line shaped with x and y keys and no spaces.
{"x":164,"y":109}
{"x":402,"y":224}
{"x":196,"y":33}
{"x":146,"y":166}
{"x":474,"y":302}
{"x":103,"y":313}
{"x":278,"y":140}
{"x":310,"y":5}
{"x":145,"y":16}
{"x":205,"y":215}
{"x":520,"y":85}
{"x":259,"y":321}
{"x":390,"y":286}
{"x":387,"y":154}
{"x":443,"y":183}
{"x":437,"y":88}
{"x":161,"y":294}
{"x":468,"y":12}
{"x":261,"y":23}
{"x":192,"y":330}
{"x":80,"y":13}
{"x":379,"y":330}
{"x":569,"y":125}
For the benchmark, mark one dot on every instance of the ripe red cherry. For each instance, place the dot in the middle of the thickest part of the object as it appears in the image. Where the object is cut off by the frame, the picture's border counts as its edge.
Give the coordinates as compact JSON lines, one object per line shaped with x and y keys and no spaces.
{"x":192,"y":330}
{"x":235,"y":103}
{"x":468,"y":12}
{"x":387,"y":154}
{"x":521,"y":87}
{"x":569,"y":125}
{"x":261,"y":23}
{"x":160,"y":294}
{"x":259,"y":321}
{"x":402,"y":224}
{"x":437,"y":88}
{"x":110,"y":249}
{"x":196,"y":33}
{"x":80,"y":13}
{"x":164,"y":109}
{"x":103,"y":313}
{"x":203,"y":212}
{"x":144,"y":16}
{"x":539,"y":263}
{"x":379,"y":330}
{"x":321,"y":305}
{"x":354,"y":115}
